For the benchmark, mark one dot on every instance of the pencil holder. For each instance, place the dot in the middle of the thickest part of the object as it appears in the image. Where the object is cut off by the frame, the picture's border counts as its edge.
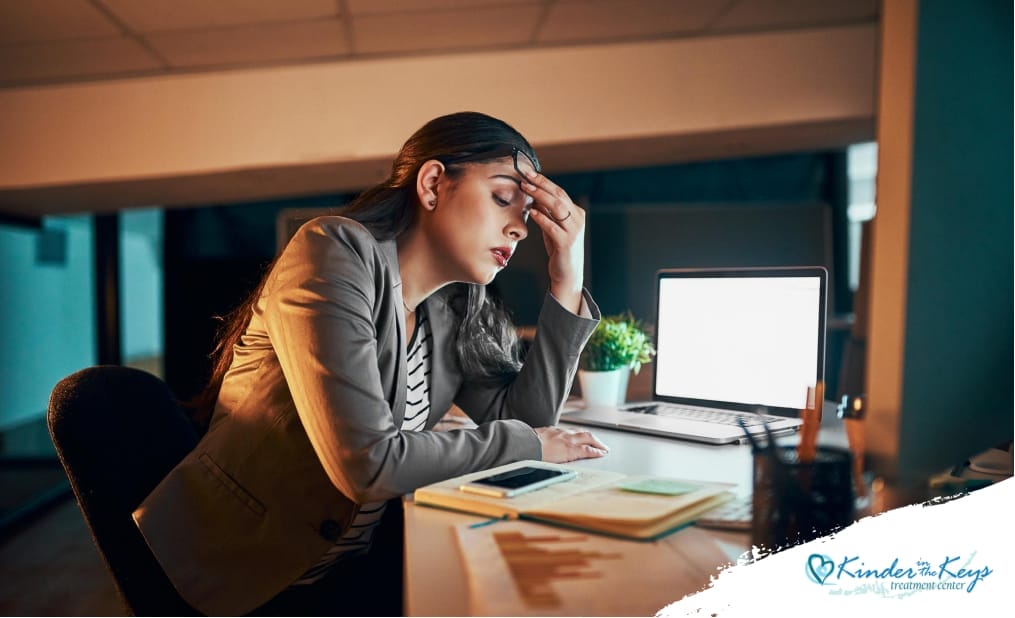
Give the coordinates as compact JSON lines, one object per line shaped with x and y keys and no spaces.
{"x":794,"y":501}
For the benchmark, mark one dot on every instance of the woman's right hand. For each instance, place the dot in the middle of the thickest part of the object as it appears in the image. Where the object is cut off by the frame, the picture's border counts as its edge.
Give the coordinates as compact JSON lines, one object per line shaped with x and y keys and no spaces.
{"x":563,"y":445}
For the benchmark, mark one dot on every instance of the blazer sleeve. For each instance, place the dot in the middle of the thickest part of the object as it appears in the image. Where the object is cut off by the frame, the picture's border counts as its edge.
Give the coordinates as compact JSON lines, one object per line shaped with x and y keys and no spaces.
{"x":536,"y":393}
{"x":318,"y":310}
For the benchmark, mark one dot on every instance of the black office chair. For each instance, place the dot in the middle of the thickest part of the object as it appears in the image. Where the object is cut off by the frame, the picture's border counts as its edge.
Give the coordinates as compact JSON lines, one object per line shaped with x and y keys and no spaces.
{"x":118,"y":431}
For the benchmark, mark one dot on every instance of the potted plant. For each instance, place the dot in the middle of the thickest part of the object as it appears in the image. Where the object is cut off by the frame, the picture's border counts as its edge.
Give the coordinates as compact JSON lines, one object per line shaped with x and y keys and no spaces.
{"x":618,"y":345}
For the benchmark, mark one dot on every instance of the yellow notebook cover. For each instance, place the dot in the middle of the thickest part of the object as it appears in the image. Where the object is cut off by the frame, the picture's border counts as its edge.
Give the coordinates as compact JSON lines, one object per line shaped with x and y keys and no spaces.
{"x":635,"y":507}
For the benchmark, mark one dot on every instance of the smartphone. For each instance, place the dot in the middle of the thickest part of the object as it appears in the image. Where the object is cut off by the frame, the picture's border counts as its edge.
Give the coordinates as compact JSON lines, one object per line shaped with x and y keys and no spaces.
{"x":516,"y":482}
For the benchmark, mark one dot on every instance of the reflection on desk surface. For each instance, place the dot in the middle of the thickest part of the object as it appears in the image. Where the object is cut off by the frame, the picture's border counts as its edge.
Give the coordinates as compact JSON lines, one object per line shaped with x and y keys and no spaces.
{"x":518,"y":568}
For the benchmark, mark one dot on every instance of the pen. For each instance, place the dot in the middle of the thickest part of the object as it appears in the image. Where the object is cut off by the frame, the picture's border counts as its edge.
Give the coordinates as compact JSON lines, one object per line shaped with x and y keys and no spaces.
{"x":773,"y":451}
{"x":851,"y":411}
{"x":487,"y":522}
{"x":783,"y":481}
{"x":755,"y":447}
{"x":811,"y":416}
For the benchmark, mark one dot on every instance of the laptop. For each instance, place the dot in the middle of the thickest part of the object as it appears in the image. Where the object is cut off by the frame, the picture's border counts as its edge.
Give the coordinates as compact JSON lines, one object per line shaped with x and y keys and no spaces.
{"x":730,"y":342}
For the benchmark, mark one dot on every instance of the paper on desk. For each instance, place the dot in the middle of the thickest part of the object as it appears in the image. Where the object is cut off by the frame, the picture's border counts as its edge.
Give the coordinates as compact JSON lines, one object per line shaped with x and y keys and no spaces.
{"x":518,"y":568}
{"x":613,"y":503}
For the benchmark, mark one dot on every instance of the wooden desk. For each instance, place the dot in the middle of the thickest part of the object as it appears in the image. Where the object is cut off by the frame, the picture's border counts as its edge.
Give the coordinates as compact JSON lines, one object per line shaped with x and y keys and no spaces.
{"x":435,"y":578}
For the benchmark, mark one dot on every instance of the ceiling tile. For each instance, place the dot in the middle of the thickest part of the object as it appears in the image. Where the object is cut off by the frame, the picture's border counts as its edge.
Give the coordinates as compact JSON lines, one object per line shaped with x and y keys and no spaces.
{"x":252,"y":44}
{"x":52,"y":20}
{"x":367,"y":7}
{"x":445,"y":30}
{"x":162,"y":15}
{"x":91,"y":58}
{"x":763,"y":14}
{"x":575,"y":20}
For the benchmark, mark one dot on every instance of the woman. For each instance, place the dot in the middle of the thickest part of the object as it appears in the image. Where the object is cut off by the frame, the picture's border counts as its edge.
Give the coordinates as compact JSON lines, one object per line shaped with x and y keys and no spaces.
{"x":365,"y":330}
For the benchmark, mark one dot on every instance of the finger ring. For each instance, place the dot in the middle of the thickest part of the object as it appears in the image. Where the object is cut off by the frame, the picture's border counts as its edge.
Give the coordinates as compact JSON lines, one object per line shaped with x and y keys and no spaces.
{"x":569,"y":213}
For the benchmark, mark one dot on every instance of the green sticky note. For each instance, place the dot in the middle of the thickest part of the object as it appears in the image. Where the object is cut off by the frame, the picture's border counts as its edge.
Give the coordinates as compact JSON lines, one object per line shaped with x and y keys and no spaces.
{"x":659,"y":486}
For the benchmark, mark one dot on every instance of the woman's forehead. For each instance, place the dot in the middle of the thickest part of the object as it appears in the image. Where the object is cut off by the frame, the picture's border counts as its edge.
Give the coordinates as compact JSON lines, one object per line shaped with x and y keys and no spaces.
{"x":503,"y":164}
{"x":502,"y":168}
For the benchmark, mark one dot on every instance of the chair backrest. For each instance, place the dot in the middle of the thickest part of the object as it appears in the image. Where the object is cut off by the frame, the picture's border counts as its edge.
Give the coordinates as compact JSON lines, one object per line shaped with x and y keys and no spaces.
{"x":118,"y":431}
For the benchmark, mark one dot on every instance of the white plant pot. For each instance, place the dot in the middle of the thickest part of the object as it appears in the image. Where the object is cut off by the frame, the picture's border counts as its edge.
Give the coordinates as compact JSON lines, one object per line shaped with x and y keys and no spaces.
{"x":604,"y":388}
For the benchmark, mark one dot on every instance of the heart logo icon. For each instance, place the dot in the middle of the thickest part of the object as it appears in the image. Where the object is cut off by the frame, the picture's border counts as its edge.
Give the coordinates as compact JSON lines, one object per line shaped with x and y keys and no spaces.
{"x":819,"y":568}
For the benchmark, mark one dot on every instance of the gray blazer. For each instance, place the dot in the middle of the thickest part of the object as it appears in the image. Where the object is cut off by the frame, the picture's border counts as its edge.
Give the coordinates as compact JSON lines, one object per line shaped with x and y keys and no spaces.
{"x":306,"y":426}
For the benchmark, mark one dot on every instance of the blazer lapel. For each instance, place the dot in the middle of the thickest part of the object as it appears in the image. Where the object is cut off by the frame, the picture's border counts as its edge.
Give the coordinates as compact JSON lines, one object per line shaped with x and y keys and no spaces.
{"x":443,"y":376}
{"x":397,"y":398}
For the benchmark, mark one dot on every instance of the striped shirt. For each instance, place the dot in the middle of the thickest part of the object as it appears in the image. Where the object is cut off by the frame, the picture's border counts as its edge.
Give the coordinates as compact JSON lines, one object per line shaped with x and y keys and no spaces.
{"x":356,"y":540}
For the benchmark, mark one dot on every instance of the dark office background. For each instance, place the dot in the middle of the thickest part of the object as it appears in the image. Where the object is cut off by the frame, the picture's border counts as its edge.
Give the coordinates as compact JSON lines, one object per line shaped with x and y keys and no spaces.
{"x":761,"y":211}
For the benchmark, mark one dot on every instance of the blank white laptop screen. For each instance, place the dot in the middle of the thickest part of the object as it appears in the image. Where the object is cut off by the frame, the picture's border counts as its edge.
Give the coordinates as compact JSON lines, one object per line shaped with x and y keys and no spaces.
{"x":747,"y":340}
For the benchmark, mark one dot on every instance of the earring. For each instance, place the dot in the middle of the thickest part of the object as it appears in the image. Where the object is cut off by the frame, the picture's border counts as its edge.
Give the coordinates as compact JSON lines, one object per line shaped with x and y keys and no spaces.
{"x":433,"y":203}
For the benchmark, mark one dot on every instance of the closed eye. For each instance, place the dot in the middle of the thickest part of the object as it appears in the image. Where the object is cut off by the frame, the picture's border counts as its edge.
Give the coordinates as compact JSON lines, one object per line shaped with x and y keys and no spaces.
{"x":501,"y":201}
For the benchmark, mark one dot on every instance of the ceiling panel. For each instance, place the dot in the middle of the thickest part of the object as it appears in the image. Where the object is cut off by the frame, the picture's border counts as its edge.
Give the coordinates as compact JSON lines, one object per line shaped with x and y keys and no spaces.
{"x":578,"y":20}
{"x":51,"y":20}
{"x":252,"y":44}
{"x":242,"y":33}
{"x":445,"y":30}
{"x":366,"y":7}
{"x":34,"y":62}
{"x":162,"y":15}
{"x":760,"y":14}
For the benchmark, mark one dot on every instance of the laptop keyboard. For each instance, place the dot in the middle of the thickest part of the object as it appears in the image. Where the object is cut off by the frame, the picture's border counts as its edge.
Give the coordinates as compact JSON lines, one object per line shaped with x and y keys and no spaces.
{"x":737,"y":514}
{"x":709,"y":415}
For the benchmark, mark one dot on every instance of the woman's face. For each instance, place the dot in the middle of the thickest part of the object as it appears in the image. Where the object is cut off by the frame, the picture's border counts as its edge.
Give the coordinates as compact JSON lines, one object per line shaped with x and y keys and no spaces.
{"x":479,"y":220}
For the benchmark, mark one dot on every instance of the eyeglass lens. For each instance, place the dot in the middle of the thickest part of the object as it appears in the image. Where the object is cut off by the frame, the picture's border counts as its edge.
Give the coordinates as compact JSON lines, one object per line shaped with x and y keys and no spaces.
{"x":523,"y":164}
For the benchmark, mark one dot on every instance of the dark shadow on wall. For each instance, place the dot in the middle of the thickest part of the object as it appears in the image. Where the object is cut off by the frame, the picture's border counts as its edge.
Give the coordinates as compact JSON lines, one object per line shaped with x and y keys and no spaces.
{"x":214,"y":257}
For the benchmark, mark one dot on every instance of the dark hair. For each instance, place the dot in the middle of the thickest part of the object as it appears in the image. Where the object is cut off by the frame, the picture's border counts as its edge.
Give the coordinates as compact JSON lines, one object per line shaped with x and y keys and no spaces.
{"x":487,"y":343}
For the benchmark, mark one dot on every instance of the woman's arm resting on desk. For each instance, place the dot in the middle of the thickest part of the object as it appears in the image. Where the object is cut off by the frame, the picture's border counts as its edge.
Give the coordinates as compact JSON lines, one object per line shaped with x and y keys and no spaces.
{"x":536,"y":393}
{"x":562,"y":445}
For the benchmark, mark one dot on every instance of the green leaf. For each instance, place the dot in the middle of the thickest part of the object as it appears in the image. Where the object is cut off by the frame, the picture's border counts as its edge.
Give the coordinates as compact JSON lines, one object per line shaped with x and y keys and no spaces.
{"x":618,"y":341}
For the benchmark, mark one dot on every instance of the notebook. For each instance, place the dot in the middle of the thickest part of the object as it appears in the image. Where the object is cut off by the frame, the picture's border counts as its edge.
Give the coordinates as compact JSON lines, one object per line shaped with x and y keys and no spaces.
{"x":747,"y":342}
